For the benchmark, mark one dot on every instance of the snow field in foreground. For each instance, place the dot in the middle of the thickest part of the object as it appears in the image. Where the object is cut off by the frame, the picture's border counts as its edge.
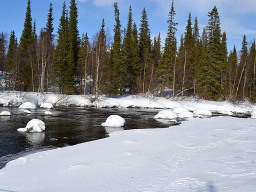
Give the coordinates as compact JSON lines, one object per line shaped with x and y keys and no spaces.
{"x":216,"y":154}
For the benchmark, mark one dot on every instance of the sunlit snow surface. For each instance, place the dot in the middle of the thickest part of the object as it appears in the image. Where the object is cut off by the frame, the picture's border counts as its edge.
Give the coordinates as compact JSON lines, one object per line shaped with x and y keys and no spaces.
{"x":201,"y":155}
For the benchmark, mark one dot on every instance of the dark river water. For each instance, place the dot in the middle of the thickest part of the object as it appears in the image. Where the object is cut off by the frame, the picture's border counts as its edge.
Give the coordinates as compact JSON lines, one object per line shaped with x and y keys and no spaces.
{"x":67,"y":126}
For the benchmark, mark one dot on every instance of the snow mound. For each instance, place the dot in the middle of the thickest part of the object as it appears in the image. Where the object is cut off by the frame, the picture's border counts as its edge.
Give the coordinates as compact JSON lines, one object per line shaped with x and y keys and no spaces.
{"x":179,"y":110}
{"x":5,"y":113}
{"x":166,"y":114}
{"x":202,"y":113}
{"x":185,"y":115}
{"x":46,"y":105}
{"x":27,"y":105}
{"x":49,"y":113}
{"x":34,"y":125}
{"x":114,"y":121}
{"x":27,"y":111}
{"x":253,"y":113}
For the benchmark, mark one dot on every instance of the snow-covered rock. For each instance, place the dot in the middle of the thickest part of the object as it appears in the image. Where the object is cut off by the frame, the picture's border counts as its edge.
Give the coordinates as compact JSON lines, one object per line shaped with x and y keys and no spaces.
{"x":253,"y":113}
{"x":27,"y":105}
{"x":49,"y":113}
{"x":46,"y":105}
{"x":34,"y":125}
{"x":166,"y":114}
{"x":202,"y":113}
{"x":114,"y":121}
{"x":185,"y":115}
{"x":5,"y":113}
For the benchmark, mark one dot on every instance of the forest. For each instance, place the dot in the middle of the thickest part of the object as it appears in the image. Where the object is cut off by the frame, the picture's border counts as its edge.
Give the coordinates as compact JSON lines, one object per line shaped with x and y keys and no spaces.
{"x":130,"y":62}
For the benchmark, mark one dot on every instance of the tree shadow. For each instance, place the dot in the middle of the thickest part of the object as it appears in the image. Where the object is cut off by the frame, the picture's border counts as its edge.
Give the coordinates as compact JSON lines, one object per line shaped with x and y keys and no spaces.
{"x":210,"y":187}
{"x":5,"y":190}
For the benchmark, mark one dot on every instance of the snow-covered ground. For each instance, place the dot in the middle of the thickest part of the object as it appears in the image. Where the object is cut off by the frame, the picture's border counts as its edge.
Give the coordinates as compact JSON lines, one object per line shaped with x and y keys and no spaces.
{"x":201,"y":155}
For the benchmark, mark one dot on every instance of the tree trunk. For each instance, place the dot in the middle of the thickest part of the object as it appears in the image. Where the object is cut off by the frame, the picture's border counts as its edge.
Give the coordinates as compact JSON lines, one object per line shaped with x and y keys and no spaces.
{"x":174,"y":74}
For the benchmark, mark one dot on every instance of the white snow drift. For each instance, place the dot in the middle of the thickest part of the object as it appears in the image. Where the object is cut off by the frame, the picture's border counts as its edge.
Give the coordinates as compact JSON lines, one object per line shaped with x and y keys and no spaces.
{"x":202,"y":113}
{"x":114,"y":121}
{"x":46,"y":105}
{"x":5,"y":113}
{"x":166,"y":114}
{"x":27,"y":105}
{"x":34,"y":125}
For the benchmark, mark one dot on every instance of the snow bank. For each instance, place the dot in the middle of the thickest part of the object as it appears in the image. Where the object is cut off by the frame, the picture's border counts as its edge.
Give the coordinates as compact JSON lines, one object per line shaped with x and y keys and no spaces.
{"x":253,"y":113}
{"x":46,"y":105}
{"x":27,"y":105}
{"x":199,"y":155}
{"x":202,"y":113}
{"x":166,"y":114}
{"x":114,"y":121}
{"x":185,"y":115}
{"x":34,"y":125}
{"x":5,"y":113}
{"x":49,"y":113}
{"x":27,"y":111}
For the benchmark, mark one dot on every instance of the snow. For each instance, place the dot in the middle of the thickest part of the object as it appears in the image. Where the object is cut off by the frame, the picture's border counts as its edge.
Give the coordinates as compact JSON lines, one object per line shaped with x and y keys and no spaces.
{"x":33,"y":126}
{"x":199,"y":155}
{"x":202,"y":113}
{"x":48,"y":113}
{"x":27,"y":105}
{"x":5,"y":113}
{"x":166,"y":114}
{"x":27,"y":111}
{"x":114,"y":121}
{"x":46,"y":105}
{"x":186,"y":115}
{"x":253,"y":113}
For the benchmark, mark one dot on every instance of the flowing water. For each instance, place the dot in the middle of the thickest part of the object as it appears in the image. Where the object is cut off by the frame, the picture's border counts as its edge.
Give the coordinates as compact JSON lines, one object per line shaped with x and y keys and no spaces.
{"x":67,"y":126}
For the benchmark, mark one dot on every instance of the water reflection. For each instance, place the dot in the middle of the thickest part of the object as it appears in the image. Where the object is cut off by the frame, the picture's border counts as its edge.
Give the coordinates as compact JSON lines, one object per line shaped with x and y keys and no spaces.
{"x":113,"y":129}
{"x":35,"y":138}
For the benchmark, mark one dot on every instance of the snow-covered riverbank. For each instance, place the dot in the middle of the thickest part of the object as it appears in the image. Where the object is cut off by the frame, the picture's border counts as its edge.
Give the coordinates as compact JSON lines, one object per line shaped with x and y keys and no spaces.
{"x":216,"y":154}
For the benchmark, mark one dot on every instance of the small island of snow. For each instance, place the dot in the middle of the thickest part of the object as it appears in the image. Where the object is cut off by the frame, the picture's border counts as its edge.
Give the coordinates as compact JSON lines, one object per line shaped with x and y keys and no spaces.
{"x":5,"y":113}
{"x":202,"y":113}
{"x":33,"y":126}
{"x":27,"y":105}
{"x":114,"y":121}
{"x":166,"y":114}
{"x":46,"y":105}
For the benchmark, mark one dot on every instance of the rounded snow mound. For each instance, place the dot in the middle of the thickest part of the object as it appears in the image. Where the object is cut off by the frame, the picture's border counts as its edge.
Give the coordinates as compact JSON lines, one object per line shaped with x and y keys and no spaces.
{"x":49,"y":113}
{"x":253,"y":113}
{"x":27,"y":105}
{"x":46,"y":105}
{"x":27,"y":111}
{"x":5,"y":113}
{"x":185,"y":115}
{"x":179,"y":110}
{"x":33,"y":126}
{"x":202,"y":113}
{"x":166,"y":114}
{"x":114,"y":121}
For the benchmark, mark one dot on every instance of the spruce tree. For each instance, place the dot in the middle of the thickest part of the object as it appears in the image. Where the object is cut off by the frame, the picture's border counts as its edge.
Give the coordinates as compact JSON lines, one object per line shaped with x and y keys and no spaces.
{"x":210,"y":81}
{"x":25,"y":45}
{"x":167,"y":67}
{"x":62,"y":65}
{"x":73,"y":36}
{"x":144,"y":50}
{"x":115,"y":57}
{"x":2,"y":52}
{"x":49,"y":24}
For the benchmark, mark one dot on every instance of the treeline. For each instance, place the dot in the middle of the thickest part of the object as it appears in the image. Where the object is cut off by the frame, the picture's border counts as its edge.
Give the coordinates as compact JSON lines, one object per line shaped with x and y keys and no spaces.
{"x":132,"y":63}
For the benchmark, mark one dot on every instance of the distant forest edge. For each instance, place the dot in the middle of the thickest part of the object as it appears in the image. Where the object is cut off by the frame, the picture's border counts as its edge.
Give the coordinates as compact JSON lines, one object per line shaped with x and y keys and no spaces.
{"x":131,"y":63}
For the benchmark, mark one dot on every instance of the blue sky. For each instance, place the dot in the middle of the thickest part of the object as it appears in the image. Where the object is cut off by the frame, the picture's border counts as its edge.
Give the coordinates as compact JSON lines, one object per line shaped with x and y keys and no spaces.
{"x":237,"y":16}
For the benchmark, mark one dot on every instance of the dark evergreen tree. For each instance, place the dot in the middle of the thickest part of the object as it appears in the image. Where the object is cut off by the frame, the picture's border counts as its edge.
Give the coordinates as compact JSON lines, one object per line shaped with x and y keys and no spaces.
{"x":2,"y":51}
{"x":25,"y":45}
{"x":144,"y":50}
{"x":64,"y":69}
{"x":167,"y":67}
{"x":49,"y":24}
{"x":210,"y":81}
{"x":115,"y":57}
{"x":73,"y":36}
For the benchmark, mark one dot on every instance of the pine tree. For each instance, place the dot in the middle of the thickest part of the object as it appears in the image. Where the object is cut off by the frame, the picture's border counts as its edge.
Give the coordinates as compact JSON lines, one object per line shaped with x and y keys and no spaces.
{"x":2,"y":52}
{"x":252,"y":72}
{"x":25,"y":45}
{"x":144,"y":50}
{"x":167,"y":67}
{"x":115,"y":57}
{"x":49,"y":24}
